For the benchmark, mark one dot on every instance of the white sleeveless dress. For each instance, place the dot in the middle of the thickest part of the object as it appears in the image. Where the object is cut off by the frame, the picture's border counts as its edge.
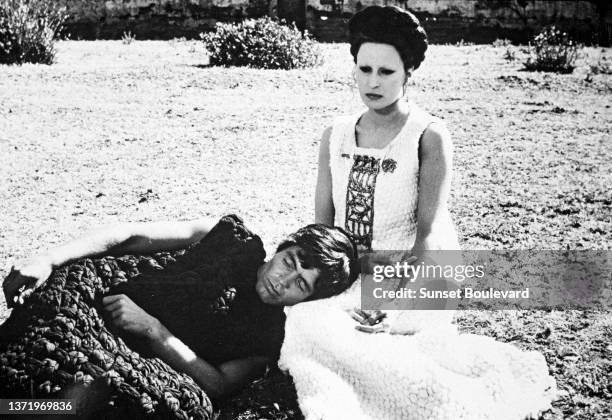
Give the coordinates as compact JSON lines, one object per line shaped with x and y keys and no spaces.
{"x":429,"y":372}
{"x":375,"y":196}
{"x":375,"y":191}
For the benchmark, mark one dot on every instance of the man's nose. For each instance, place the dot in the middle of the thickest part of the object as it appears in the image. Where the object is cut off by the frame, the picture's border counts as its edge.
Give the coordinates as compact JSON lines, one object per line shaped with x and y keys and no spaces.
{"x":286,"y":280}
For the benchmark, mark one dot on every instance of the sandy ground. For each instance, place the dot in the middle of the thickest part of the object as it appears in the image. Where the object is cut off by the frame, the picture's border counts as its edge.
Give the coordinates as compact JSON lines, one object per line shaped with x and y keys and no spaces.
{"x":147,"y":131}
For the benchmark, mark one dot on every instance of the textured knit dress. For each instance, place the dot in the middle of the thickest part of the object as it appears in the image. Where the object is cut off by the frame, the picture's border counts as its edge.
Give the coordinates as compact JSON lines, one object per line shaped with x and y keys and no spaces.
{"x":428,"y":372}
{"x":375,"y":191}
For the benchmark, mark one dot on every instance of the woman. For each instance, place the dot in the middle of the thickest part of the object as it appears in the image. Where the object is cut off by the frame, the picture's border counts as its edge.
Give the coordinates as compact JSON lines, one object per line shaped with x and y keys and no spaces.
{"x":405,"y":152}
{"x":384,"y":175}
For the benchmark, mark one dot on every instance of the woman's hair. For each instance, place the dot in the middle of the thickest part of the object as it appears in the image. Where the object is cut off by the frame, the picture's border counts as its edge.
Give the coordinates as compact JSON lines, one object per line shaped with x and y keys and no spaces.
{"x":332,"y":251}
{"x":389,"y":25}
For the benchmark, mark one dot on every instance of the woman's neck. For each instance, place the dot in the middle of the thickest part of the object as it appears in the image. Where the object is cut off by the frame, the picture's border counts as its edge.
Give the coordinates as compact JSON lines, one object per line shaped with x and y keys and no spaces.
{"x":390,"y":115}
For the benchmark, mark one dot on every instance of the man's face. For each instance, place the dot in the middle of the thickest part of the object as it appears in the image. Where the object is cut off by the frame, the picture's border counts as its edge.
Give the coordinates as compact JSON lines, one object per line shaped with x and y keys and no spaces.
{"x":283,"y":281}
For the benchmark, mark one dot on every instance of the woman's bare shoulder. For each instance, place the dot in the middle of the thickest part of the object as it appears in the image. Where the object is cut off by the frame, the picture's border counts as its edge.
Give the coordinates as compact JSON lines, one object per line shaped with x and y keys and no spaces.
{"x":436,"y":139}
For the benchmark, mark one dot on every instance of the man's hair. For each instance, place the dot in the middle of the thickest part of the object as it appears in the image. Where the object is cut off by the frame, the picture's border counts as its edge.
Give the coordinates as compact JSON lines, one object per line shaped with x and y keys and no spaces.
{"x":389,"y":25}
{"x":331,"y":250}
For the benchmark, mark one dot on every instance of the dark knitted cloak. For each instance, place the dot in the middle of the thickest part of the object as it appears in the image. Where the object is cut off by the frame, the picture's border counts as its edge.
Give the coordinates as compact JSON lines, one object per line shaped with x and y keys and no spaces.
{"x":58,"y":344}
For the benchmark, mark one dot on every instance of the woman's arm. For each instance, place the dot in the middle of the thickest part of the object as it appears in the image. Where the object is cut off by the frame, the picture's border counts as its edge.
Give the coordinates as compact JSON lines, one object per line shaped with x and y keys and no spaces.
{"x":218,"y":382}
{"x":435,"y":156}
{"x":120,"y":239}
{"x":324,"y":204}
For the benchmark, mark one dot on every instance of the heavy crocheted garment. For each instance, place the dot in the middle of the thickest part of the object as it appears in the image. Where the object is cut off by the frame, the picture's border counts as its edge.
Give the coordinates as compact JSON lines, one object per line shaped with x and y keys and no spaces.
{"x":432,"y":373}
{"x":58,"y":344}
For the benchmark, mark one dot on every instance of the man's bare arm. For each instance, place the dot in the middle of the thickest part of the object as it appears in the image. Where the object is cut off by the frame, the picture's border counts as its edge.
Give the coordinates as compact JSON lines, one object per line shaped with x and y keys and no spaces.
{"x":119,"y":239}
{"x":218,"y":382}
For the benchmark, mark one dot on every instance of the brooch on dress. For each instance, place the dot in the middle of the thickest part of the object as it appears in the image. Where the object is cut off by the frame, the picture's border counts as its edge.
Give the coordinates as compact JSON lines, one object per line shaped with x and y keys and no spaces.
{"x":389,"y":165}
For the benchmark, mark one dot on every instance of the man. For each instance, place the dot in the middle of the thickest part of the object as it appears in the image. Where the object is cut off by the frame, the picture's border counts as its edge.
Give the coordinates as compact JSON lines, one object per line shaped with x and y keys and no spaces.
{"x":314,"y":262}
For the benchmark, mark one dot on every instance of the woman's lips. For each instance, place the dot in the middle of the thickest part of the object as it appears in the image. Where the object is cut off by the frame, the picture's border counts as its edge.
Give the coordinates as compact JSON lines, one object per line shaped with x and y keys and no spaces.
{"x":373,"y":96}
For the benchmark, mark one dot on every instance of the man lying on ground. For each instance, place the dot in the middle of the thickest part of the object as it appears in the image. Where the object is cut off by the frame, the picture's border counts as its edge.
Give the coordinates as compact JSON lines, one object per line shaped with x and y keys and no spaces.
{"x":215,"y":313}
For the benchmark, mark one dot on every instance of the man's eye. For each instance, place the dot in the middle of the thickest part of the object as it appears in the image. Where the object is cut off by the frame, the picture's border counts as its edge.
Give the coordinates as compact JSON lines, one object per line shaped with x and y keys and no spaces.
{"x":302,"y":285}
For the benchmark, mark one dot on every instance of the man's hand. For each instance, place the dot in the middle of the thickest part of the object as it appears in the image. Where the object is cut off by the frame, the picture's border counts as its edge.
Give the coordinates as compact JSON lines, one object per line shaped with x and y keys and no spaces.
{"x":370,"y":321}
{"x":128,"y":316}
{"x":24,"y":278}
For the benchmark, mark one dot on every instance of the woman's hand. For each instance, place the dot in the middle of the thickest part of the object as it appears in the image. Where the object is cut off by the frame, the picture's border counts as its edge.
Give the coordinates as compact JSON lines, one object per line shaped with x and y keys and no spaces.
{"x":370,"y":321}
{"x":129,"y":317}
{"x":24,"y":278}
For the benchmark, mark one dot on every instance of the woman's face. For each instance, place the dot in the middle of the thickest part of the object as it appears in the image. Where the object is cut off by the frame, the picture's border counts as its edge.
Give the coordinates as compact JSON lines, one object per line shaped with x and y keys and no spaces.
{"x":380,"y":75}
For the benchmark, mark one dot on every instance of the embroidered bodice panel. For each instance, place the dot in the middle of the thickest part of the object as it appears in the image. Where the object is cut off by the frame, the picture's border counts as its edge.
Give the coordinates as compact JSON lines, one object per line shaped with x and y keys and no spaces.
{"x":375,"y":191}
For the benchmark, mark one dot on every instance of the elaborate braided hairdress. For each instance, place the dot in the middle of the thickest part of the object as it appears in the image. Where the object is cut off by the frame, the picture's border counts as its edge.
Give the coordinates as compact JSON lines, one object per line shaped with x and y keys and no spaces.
{"x":59,"y":345}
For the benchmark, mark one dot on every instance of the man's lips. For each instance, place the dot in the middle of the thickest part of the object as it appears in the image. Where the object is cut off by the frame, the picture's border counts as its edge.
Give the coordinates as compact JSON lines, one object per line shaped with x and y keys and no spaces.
{"x":270,"y":288}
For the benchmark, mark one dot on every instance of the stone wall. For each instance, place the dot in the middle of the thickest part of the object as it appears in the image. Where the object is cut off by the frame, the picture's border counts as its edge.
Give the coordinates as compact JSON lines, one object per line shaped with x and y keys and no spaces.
{"x":449,"y":21}
{"x":473,"y":9}
{"x":535,"y":10}
{"x":445,"y":20}
{"x":155,"y":19}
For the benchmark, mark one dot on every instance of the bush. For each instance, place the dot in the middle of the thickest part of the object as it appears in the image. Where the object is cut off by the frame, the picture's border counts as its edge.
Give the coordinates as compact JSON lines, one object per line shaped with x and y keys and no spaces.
{"x":510,"y":54}
{"x":128,"y":37}
{"x":261,"y":43}
{"x":552,"y":50}
{"x":602,"y":66}
{"x":501,"y":43}
{"x":28,"y":29}
{"x":463,"y":43}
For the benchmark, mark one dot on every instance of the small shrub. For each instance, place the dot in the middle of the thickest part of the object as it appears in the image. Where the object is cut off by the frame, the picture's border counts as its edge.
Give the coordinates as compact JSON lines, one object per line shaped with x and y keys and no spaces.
{"x":261,"y":43}
{"x":553,"y":51}
{"x":128,"y":37}
{"x":501,"y":43}
{"x":510,"y":54}
{"x":28,"y":29}
{"x":602,"y":66}
{"x":463,"y":43}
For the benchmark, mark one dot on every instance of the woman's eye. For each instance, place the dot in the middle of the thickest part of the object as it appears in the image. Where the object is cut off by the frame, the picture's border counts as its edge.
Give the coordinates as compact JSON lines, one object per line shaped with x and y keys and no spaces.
{"x":365,"y":69}
{"x":387,"y":72}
